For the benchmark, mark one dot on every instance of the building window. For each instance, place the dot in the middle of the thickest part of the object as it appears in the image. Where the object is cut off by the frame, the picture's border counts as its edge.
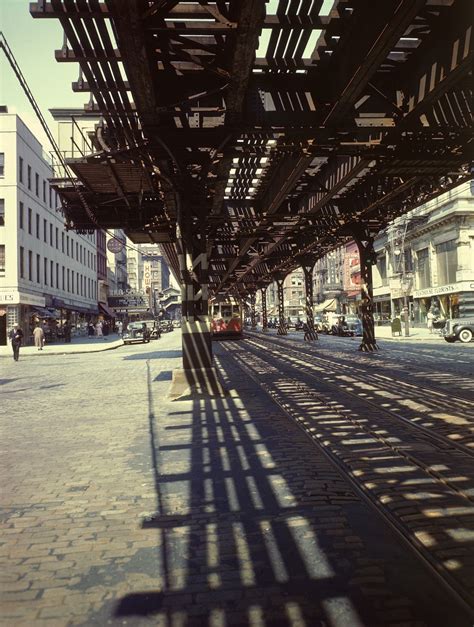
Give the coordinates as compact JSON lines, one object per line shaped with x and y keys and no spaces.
{"x":67,"y":285}
{"x":2,"y":212}
{"x":382,"y":268}
{"x":44,"y":191}
{"x":20,"y":169}
{"x":2,"y":258}
{"x":29,"y":176}
{"x":22,"y":261}
{"x":30,"y":265}
{"x":57,"y":238}
{"x":72,"y":281}
{"x":21,"y":216}
{"x":37,"y":226}
{"x":45,"y":231}
{"x":67,"y":245}
{"x":50,"y":200}
{"x":37,"y":184}
{"x":62,"y":283}
{"x":2,"y":164}
{"x":57,"y":276}
{"x":51,"y":273}
{"x":423,"y":274}
{"x":30,"y":220}
{"x":51,"y":234}
{"x":38,"y":269}
{"x":45,"y":271}
{"x":77,"y":251}
{"x":447,"y":261}
{"x":62,"y":242}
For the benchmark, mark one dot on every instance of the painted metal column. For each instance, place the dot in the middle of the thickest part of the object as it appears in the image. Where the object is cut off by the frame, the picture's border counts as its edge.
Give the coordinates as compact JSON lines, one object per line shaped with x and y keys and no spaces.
{"x":282,"y":328}
{"x":263,"y":291}
{"x":310,"y":334}
{"x":365,"y":244}
{"x":197,"y":372}
{"x":253,"y":318}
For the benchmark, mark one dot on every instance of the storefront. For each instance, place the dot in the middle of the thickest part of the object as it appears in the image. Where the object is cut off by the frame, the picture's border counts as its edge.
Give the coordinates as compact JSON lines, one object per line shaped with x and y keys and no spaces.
{"x":18,"y":307}
{"x":445,"y":301}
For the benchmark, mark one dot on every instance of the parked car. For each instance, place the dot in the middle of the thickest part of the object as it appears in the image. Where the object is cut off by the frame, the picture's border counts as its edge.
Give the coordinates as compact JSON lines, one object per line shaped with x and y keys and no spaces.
{"x":176,"y":324}
{"x":355,"y":324}
{"x":136,"y":332}
{"x":461,"y":329}
{"x":153,"y":327}
{"x":294,"y":322}
{"x":341,"y":328}
{"x":166,"y":326}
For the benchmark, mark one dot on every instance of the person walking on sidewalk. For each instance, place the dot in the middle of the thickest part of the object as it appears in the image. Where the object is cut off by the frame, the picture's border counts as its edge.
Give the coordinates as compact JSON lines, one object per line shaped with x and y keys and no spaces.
{"x":38,"y":335}
{"x":16,"y":338}
{"x":429,"y":320}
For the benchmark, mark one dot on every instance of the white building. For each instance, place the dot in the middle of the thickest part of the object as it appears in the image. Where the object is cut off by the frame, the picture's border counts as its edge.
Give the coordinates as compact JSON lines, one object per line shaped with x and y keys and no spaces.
{"x":45,"y":271}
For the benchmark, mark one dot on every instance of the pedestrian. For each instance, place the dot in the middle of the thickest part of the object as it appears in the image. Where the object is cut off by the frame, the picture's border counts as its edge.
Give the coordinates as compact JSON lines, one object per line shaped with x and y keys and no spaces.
{"x":38,"y":335}
{"x":90,"y":329}
{"x":16,"y":338}
{"x":119,"y":326}
{"x":429,"y":320}
{"x":67,"y":333}
{"x":98,"y":330}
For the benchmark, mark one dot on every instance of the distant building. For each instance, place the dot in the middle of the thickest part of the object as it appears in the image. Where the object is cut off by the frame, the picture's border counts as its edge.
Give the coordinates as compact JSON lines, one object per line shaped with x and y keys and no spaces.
{"x":425,"y":259}
{"x":46,"y":272}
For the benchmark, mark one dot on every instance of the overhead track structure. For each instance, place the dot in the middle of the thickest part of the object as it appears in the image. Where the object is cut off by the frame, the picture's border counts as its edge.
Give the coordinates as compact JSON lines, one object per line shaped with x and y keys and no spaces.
{"x":244,"y":136}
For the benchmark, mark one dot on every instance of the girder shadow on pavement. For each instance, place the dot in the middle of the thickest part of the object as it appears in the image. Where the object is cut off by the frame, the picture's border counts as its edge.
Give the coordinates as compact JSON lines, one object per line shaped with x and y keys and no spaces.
{"x":255,"y":527}
{"x":427,"y":487}
{"x":164,"y":354}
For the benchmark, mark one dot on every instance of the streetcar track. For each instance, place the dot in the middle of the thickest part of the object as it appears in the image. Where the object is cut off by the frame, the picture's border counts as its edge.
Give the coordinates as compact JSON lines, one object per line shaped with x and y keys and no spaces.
{"x":406,"y":529}
{"x":360,"y":367}
{"x":438,"y":437}
{"x":399,"y":450}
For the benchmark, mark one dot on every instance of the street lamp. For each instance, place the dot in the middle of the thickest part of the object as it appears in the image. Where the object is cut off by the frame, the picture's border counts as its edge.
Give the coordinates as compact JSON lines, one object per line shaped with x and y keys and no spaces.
{"x":406,"y":285}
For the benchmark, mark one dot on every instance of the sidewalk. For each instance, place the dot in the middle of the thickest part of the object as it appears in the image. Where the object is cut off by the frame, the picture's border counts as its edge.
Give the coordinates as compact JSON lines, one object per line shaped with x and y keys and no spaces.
{"x":416,"y":333}
{"x":77,"y":345}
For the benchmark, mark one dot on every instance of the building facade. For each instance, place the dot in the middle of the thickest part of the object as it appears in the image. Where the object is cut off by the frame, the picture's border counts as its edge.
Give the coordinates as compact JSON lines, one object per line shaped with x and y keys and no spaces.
{"x":425,"y":261}
{"x":46,"y":272}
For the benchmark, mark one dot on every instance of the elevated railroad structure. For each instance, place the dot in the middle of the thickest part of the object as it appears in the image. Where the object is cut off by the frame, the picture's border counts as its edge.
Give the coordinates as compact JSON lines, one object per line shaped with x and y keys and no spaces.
{"x":249,"y":138}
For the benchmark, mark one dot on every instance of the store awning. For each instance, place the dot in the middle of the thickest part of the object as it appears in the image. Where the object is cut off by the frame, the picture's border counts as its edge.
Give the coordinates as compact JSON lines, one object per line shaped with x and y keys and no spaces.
{"x":106,"y":310}
{"x":327,"y":305}
{"x":45,"y":314}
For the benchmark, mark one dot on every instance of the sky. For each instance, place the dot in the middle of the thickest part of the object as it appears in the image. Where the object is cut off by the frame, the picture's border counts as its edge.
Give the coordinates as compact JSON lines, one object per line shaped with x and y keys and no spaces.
{"x":33,"y":42}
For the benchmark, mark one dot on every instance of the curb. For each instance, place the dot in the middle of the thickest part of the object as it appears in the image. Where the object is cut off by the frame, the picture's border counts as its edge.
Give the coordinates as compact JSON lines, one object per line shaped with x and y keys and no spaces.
{"x":75,"y":352}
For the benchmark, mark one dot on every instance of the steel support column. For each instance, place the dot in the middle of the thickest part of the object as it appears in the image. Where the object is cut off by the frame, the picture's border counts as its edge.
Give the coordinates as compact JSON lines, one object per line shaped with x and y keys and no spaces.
{"x":197,"y":373}
{"x":282,"y":328}
{"x":263,"y":291}
{"x":365,"y":244}
{"x":253,"y":318}
{"x":310,"y":333}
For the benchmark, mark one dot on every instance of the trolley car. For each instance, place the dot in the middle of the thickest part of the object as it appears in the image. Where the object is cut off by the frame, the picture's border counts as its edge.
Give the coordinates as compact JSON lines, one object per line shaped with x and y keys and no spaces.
{"x":226,"y":319}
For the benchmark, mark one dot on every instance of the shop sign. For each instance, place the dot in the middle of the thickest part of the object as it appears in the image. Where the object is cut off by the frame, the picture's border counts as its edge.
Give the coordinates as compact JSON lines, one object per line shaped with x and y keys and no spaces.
{"x":126,"y":302}
{"x":14,"y":298}
{"x":462,"y":286}
{"x":115,"y":246}
{"x":147,"y":274}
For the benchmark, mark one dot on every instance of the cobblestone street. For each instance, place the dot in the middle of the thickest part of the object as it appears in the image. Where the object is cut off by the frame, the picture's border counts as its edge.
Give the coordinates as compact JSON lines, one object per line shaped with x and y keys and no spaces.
{"x":123,"y":507}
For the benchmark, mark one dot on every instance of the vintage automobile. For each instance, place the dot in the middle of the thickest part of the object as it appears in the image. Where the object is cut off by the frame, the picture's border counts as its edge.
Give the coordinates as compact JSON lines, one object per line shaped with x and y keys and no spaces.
{"x":461,"y":329}
{"x":166,"y":326}
{"x":355,"y":324}
{"x":341,"y":328}
{"x":137,"y":332}
{"x":153,"y":327}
